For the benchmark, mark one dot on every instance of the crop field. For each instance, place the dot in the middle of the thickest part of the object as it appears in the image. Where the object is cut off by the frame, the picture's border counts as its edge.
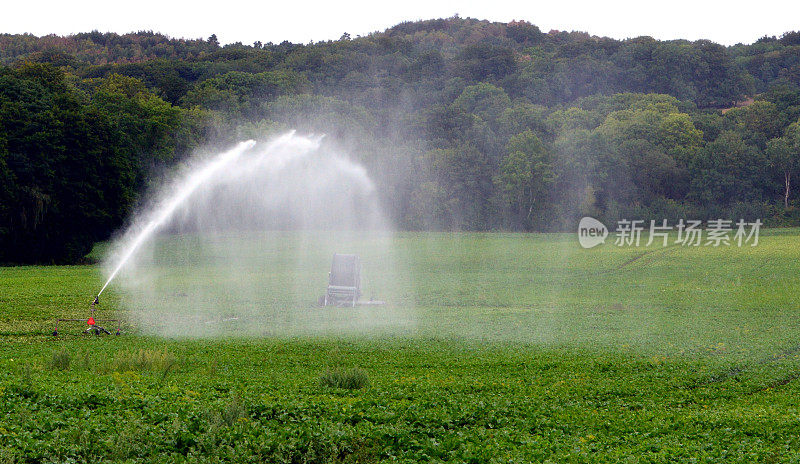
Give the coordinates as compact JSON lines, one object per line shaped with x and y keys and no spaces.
{"x":502,"y":348}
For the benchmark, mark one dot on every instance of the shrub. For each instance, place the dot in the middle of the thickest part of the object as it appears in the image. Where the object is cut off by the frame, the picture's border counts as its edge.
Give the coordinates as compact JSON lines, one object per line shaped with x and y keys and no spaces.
{"x":351,"y":379}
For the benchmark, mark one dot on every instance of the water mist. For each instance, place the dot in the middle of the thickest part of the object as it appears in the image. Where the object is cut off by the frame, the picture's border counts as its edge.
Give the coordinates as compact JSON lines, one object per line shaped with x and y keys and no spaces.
{"x":241,"y":243}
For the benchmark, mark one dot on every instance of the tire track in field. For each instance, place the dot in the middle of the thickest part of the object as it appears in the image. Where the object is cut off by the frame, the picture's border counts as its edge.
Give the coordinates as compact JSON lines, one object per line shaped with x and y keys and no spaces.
{"x":657,"y":251}
{"x":630,"y":261}
{"x":736,"y":370}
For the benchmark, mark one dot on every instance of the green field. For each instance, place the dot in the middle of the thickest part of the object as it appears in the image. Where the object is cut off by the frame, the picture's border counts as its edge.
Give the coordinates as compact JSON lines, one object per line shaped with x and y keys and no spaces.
{"x":500,"y":348}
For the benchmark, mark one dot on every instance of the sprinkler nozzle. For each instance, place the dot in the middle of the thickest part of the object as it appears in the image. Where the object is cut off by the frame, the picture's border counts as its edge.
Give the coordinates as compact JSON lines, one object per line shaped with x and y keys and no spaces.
{"x":96,"y":300}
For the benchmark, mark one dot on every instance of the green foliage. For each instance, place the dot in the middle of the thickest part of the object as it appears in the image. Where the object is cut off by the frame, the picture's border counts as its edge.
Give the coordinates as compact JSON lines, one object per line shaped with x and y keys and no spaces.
{"x":74,"y":163}
{"x":146,"y":122}
{"x":484,"y":100}
{"x":484,"y":61}
{"x":464,"y":175}
{"x":239,"y":94}
{"x":783,"y":154}
{"x":525,"y":176}
{"x":729,"y":170}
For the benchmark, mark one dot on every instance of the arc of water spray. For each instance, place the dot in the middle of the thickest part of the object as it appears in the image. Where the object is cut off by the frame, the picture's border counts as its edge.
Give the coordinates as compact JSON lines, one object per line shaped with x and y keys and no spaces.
{"x":183,"y":189}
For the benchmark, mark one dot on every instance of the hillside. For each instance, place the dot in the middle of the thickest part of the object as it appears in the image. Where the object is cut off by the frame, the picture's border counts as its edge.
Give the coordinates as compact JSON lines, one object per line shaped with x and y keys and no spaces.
{"x":464,"y":124}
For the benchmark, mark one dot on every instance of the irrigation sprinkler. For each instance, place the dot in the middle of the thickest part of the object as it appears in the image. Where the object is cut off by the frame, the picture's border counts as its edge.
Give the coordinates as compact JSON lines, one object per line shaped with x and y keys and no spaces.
{"x":91,"y":322}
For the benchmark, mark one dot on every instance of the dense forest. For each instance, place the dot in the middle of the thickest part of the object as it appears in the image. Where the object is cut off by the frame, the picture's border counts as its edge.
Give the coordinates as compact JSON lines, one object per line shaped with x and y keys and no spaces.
{"x":464,"y":124}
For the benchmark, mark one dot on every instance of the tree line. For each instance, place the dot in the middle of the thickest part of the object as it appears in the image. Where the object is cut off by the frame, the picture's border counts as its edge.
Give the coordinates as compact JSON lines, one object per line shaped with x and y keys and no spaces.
{"x":464,"y":124}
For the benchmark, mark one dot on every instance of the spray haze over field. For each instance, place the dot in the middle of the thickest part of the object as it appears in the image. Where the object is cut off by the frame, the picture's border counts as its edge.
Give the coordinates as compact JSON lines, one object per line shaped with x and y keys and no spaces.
{"x":241,"y":243}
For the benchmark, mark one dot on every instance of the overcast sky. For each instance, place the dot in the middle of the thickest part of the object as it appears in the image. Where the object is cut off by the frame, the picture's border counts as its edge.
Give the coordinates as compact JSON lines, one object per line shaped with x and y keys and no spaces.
{"x":726,"y":22}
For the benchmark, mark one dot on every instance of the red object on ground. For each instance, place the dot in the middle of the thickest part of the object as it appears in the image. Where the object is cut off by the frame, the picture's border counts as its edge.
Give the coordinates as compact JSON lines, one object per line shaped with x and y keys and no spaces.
{"x":90,"y":321}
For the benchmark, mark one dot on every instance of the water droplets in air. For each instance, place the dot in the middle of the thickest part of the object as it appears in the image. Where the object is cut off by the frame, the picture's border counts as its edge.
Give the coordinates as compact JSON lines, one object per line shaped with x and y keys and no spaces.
{"x":247,"y":235}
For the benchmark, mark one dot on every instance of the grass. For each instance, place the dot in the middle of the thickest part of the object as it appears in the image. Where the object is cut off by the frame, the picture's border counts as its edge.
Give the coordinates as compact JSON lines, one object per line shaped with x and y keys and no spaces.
{"x":521,"y":348}
{"x":354,"y":378}
{"x":61,"y":360}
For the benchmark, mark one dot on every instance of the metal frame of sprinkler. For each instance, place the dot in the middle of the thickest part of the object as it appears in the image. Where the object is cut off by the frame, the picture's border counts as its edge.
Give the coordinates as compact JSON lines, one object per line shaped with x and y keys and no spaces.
{"x":344,"y":283}
{"x":91,"y":322}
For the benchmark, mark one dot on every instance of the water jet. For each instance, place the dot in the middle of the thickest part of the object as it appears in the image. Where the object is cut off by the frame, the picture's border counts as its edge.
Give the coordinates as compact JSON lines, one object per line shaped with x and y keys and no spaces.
{"x":238,"y":237}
